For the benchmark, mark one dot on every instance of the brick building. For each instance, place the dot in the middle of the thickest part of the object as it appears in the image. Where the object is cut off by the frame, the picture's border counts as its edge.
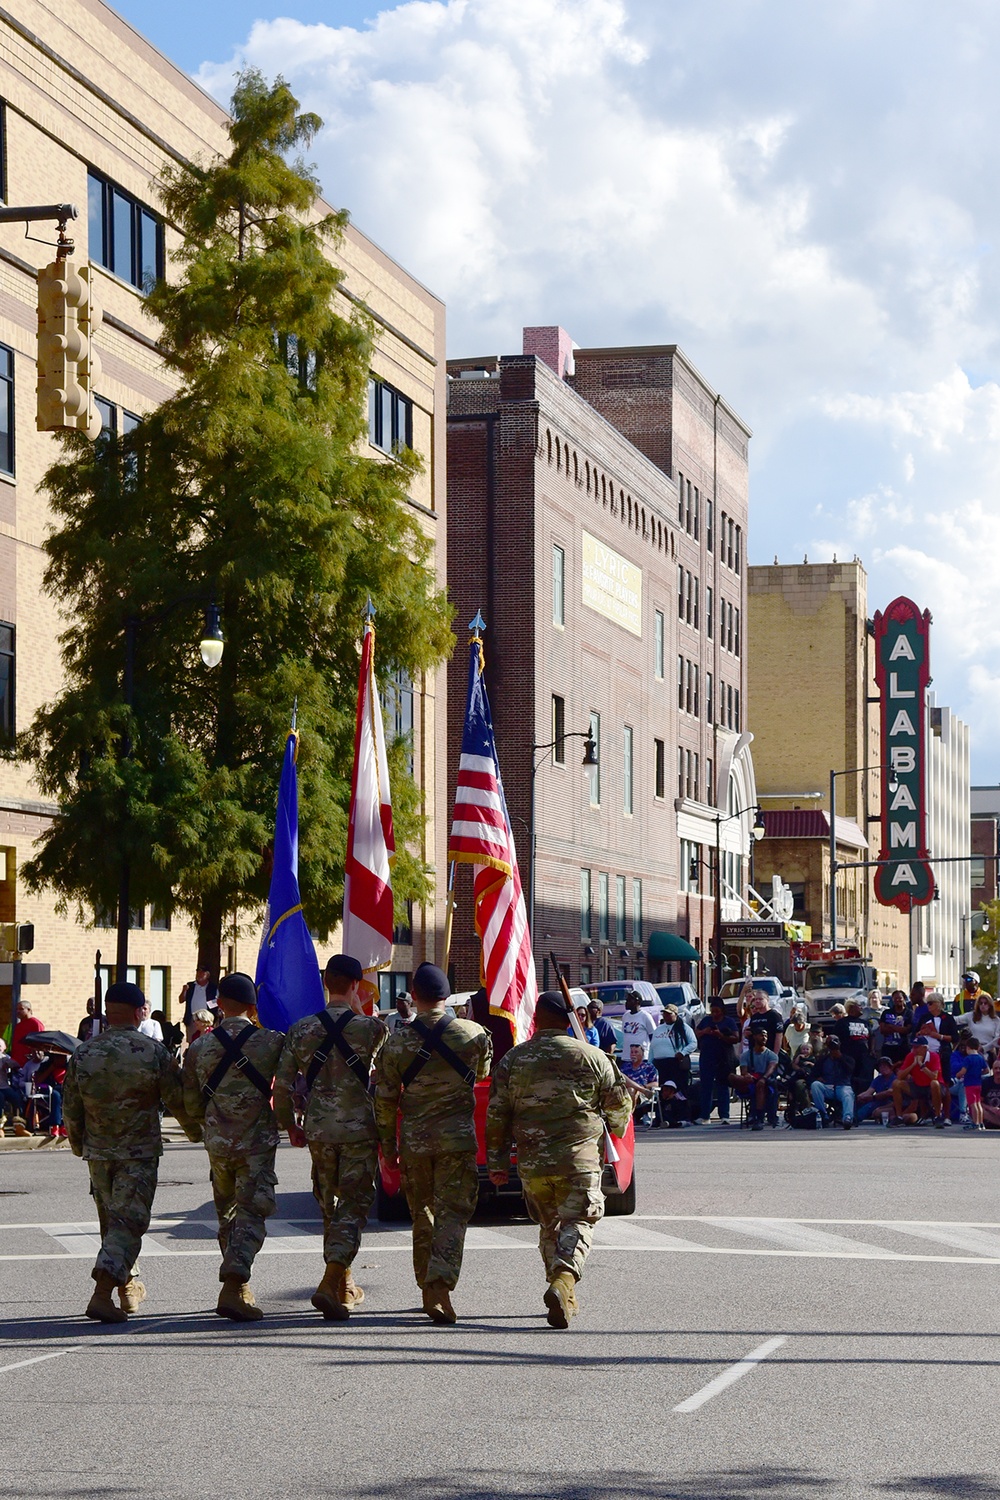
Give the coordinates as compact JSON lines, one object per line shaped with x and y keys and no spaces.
{"x":598,"y":518}
{"x":811,"y":686}
{"x":91,"y":113}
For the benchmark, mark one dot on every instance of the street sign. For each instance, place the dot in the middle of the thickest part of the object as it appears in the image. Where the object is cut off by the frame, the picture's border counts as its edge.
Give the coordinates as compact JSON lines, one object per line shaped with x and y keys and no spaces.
{"x":30,"y":973}
{"x":754,"y":934}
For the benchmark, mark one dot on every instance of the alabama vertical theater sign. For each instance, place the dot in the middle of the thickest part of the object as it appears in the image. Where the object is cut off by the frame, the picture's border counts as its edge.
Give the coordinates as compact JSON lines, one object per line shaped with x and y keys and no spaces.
{"x":902,"y":670}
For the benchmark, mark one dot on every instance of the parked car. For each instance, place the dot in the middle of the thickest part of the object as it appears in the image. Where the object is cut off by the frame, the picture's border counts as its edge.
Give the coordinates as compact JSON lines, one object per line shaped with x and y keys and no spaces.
{"x":685,"y":997}
{"x":613,"y":991}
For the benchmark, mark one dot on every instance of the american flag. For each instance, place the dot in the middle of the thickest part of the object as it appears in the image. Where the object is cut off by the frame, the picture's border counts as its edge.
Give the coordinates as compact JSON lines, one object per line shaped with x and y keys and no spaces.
{"x":481,"y":836}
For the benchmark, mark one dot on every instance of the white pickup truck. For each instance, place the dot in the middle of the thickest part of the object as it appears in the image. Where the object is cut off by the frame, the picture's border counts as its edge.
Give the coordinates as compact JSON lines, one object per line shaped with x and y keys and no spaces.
{"x":834,"y":983}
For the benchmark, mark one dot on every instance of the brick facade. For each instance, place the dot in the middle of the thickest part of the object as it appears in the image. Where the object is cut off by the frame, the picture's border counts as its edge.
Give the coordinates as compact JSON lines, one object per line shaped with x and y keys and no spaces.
{"x":545,"y":450}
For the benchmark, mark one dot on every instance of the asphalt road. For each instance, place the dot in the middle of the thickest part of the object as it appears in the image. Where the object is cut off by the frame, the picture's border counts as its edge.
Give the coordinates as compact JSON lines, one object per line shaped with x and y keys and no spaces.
{"x":860,"y":1271}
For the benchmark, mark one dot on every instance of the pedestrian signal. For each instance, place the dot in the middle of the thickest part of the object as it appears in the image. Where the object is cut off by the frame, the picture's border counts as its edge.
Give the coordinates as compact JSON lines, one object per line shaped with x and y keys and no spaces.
{"x":67,"y":364}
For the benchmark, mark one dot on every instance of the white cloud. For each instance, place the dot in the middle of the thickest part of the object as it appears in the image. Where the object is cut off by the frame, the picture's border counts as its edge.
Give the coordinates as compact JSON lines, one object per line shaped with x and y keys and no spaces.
{"x":804,"y":197}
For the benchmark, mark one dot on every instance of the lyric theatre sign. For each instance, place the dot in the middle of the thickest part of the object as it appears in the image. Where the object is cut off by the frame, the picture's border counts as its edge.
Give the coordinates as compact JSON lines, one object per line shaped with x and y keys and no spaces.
{"x":902,"y":670}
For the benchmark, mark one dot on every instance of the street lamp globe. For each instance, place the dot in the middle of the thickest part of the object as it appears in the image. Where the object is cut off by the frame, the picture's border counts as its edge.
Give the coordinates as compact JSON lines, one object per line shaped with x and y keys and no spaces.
{"x":212,"y":643}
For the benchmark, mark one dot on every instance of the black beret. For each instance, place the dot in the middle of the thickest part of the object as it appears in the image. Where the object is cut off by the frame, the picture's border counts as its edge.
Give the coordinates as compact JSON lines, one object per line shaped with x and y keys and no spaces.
{"x":125,"y":994}
{"x":342,"y":966}
{"x":430,"y":983}
{"x":553,"y":1000}
{"x":238,"y":987}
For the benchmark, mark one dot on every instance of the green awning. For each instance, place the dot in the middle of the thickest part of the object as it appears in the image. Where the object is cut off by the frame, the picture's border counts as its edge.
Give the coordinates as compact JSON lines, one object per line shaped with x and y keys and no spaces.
{"x":667,"y":947}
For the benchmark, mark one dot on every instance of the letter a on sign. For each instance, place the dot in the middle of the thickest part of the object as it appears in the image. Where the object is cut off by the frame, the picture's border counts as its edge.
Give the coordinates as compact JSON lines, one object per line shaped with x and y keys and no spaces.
{"x":902,"y":670}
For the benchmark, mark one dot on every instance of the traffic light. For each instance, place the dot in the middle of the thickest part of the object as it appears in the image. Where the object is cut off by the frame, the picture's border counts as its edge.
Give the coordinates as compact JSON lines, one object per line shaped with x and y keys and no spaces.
{"x":68,"y":367}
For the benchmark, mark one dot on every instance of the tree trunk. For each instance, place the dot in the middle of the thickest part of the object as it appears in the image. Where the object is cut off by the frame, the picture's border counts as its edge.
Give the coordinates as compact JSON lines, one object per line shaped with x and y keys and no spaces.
{"x":210,"y":935}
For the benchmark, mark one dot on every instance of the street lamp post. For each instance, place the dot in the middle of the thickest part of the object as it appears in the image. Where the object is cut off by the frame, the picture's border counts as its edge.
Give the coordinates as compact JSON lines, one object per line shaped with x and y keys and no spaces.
{"x":853,"y":771}
{"x":758,"y":831}
{"x":211,"y":646}
{"x":589,"y":761}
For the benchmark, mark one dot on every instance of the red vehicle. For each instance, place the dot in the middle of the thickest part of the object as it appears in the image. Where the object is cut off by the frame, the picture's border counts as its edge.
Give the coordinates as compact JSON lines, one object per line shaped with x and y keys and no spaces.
{"x":618,"y":1180}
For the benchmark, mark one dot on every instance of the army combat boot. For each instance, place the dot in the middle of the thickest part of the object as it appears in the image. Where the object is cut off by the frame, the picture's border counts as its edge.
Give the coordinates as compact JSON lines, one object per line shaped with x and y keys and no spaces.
{"x":131,"y":1294}
{"x":236,"y":1302}
{"x":560,"y":1299}
{"x":332,"y":1297}
{"x":100,"y":1307}
{"x":353,"y":1294}
{"x":437,"y":1303}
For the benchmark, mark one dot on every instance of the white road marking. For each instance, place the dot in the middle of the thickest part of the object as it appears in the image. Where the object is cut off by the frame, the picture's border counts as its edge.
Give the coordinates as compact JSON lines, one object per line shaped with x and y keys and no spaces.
{"x":78,"y":1239}
{"x":729,"y":1377}
{"x":974,"y":1241}
{"x":623,"y":1234}
{"x":56,"y":1354}
{"x":802,"y":1237}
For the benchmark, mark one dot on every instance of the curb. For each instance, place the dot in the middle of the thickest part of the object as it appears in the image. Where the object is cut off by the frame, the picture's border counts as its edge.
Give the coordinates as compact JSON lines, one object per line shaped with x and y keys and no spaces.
{"x":32,"y":1143}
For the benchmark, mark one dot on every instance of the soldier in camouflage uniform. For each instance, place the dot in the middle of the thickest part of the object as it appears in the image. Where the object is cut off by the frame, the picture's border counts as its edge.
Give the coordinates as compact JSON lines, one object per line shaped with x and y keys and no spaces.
{"x":428,"y":1071}
{"x":551,"y":1099}
{"x":335,"y":1051}
{"x":115,"y":1086}
{"x":228,"y":1075}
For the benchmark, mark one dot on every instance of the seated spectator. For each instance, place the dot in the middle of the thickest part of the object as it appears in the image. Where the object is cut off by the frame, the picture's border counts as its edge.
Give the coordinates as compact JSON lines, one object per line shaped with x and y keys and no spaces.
{"x":47,"y":1085}
{"x":970,"y":1075}
{"x":895,"y":1024}
{"x":642,"y":1080}
{"x":918,"y":1088}
{"x":796,"y":1032}
{"x":717,"y":1036}
{"x":856,"y":1045}
{"x":800,"y":1082}
{"x":589,"y":1032}
{"x":832,"y":1081}
{"x":26,"y":1024}
{"x":673,"y":1107}
{"x":984,"y":1023}
{"x":991,"y":1097}
{"x":606,"y":1039}
{"x":202,"y":1021}
{"x":760,"y":1015}
{"x":92,"y":1023}
{"x":875,"y":1102}
{"x":756,"y":1080}
{"x":670,"y":1048}
{"x":12,"y":1096}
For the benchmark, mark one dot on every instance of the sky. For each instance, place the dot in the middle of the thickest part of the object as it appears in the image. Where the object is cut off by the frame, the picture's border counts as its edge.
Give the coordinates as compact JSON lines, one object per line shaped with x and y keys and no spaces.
{"x":803,"y":196}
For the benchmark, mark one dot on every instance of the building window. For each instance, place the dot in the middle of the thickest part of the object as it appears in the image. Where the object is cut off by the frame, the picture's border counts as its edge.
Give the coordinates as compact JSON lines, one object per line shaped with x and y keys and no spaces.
{"x":620,"y":932}
{"x":105,"y":919}
{"x":124,"y":235}
{"x":390,"y":417}
{"x":8,"y":722}
{"x":736,"y":709}
{"x":696,"y":591}
{"x":690,"y":865}
{"x":159,"y":920}
{"x":628,"y":768}
{"x":402,"y":933}
{"x":658,"y":648}
{"x":3,"y":151}
{"x":158,"y":993}
{"x":585,"y":974}
{"x":586,"y":917}
{"x":6,"y":407}
{"x":680,"y":593}
{"x":709,"y":698}
{"x":736,"y":632}
{"x":397,"y":704}
{"x":709,"y":618}
{"x":709,"y":782}
{"x":300,"y":362}
{"x":637,"y":911}
{"x":680,"y":499}
{"x":709,"y":525}
{"x":558,"y":585}
{"x":558,"y":730}
{"x":680,"y":771}
{"x":595,"y":773}
{"x":694,"y":516}
{"x":603,"y":890}
{"x":738,"y":549}
{"x":977,"y":871}
{"x":697,"y":798}
{"x":660,"y":764}
{"x":680,"y":682}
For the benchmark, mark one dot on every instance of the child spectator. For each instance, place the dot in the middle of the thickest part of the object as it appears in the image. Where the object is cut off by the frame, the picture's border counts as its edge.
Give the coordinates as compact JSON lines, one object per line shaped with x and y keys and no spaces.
{"x":970,"y":1074}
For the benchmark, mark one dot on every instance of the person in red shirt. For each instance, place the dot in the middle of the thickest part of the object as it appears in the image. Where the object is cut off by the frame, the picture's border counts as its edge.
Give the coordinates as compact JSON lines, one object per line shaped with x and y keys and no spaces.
{"x":26,"y":1024}
{"x":918,"y":1083}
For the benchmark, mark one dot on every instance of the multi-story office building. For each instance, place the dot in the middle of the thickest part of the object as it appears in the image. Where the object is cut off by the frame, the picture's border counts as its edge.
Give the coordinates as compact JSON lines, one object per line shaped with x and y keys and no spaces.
{"x":813,"y":707}
{"x":598,"y":518}
{"x":91,"y":113}
{"x":938,"y":930}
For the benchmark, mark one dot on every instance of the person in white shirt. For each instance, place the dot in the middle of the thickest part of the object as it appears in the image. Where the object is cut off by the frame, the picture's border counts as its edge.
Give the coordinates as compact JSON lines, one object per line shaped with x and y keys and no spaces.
{"x":796,"y":1032}
{"x":149,"y":1027}
{"x":637,"y":1025}
{"x":670,"y":1048}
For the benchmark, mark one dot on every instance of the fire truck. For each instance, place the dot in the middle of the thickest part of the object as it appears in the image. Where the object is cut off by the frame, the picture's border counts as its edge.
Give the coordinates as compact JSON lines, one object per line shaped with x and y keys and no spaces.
{"x":825,"y":977}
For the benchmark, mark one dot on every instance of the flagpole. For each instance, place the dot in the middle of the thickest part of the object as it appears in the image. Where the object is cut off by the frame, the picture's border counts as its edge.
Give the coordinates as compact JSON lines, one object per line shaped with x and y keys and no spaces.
{"x":449,"y":916}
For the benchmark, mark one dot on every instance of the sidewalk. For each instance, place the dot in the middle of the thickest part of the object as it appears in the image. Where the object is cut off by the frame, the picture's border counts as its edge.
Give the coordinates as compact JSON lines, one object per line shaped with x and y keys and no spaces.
{"x":32,"y":1143}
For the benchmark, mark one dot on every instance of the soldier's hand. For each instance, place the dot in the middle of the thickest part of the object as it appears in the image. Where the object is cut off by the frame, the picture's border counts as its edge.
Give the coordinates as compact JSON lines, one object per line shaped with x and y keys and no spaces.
{"x":296,"y":1135}
{"x":498,"y":1179}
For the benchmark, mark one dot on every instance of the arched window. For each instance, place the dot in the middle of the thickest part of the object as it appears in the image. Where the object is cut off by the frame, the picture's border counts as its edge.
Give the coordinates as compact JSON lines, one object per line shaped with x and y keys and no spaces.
{"x":548,"y":443}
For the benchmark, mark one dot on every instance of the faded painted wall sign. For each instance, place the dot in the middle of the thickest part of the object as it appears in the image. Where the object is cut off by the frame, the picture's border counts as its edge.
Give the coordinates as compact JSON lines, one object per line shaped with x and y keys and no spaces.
{"x":612,"y":585}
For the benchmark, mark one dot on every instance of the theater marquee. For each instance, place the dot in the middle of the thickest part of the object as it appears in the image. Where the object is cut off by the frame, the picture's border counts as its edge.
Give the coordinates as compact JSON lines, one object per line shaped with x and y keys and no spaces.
{"x":902,"y":671}
{"x":611,"y":585}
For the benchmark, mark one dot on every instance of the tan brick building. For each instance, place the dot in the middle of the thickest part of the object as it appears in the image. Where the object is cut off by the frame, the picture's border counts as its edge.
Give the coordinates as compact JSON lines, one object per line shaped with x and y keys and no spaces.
{"x":811,"y":682}
{"x":597,"y":517}
{"x":91,"y":113}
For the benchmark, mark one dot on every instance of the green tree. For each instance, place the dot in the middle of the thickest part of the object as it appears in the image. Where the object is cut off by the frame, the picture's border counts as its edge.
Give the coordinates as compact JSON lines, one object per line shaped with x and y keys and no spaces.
{"x":987,"y":944}
{"x":252,"y":485}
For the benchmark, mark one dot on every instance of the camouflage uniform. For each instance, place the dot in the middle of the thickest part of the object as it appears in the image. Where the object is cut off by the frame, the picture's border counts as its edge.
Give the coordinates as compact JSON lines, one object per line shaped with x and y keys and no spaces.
{"x":339,"y":1125}
{"x":240,"y":1137}
{"x":115,"y":1085}
{"x":550,"y":1099}
{"x":437,"y":1145}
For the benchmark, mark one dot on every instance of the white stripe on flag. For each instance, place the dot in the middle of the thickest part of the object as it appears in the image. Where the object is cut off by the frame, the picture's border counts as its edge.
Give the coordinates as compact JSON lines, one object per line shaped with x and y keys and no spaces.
{"x":483,"y":765}
{"x":478,"y":796}
{"x":485,"y":832}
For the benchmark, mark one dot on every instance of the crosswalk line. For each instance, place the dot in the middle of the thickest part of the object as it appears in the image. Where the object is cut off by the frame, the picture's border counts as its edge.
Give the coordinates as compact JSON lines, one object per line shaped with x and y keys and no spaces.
{"x":973,"y":1241}
{"x":77,"y":1239}
{"x":624,"y":1234}
{"x":791,"y":1236}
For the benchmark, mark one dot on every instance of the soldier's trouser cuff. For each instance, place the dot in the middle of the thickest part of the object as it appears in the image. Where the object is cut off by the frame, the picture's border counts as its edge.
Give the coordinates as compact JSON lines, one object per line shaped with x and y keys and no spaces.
{"x":117,"y":1270}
